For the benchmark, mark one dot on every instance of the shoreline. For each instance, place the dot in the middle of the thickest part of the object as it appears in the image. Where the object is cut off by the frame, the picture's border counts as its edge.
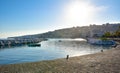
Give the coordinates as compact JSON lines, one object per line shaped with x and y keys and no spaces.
{"x":102,"y":62}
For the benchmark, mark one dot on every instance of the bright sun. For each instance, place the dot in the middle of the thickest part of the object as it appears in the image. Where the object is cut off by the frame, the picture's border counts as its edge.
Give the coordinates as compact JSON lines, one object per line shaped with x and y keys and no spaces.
{"x":78,"y":12}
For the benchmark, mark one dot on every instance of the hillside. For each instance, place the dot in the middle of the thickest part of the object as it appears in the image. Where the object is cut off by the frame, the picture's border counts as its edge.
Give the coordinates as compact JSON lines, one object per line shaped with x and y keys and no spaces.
{"x":77,"y":32}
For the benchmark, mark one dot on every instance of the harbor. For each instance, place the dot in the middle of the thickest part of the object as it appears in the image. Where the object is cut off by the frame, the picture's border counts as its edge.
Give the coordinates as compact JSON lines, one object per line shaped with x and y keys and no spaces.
{"x":59,"y":36}
{"x":48,"y":50}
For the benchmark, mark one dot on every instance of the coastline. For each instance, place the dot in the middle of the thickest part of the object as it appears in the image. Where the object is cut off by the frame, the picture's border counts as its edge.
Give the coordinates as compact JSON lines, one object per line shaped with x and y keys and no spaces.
{"x":102,"y":62}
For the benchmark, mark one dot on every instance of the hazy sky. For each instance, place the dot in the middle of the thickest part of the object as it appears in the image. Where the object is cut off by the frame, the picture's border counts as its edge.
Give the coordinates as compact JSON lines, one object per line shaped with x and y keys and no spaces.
{"x":20,"y":17}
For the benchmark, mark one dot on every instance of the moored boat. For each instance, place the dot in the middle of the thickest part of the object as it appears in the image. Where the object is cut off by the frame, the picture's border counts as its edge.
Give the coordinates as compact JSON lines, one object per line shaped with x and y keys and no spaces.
{"x":34,"y":45}
{"x":100,"y":42}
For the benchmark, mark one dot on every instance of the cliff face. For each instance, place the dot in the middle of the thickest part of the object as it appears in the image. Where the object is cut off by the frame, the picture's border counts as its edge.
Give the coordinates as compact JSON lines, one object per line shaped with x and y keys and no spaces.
{"x":78,"y":32}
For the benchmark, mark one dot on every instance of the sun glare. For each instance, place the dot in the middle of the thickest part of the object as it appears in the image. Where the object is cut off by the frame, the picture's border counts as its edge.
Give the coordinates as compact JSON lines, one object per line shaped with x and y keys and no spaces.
{"x":79,"y":12}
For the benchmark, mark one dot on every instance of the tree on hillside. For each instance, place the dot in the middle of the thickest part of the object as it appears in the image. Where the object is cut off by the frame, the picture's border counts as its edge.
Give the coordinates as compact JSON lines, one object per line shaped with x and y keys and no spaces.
{"x":117,"y":34}
{"x":107,"y":34}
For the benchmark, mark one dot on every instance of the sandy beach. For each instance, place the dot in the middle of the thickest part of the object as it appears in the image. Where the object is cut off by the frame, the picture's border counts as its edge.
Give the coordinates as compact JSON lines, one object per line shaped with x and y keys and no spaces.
{"x":102,"y":62}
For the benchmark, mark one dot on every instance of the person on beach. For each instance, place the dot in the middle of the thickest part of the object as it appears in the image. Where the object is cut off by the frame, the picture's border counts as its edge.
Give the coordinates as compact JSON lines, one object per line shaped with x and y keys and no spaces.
{"x":102,"y":50}
{"x":67,"y":57}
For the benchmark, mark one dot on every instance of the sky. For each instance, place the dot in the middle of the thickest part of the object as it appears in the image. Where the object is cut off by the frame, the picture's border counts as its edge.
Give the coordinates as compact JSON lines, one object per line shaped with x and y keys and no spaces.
{"x":24,"y":17}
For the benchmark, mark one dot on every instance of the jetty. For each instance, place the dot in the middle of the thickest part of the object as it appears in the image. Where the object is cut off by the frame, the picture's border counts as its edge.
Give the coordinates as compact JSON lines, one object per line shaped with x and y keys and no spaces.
{"x":19,"y":42}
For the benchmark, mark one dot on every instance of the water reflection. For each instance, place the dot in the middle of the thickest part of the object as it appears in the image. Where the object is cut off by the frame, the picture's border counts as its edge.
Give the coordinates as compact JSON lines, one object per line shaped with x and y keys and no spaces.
{"x":74,"y":47}
{"x":10,"y":47}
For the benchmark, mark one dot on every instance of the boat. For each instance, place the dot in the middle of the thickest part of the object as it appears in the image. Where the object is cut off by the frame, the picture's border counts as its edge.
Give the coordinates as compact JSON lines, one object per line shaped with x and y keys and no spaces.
{"x":115,"y":45}
{"x":100,"y":42}
{"x":34,"y":45}
{"x":60,"y":41}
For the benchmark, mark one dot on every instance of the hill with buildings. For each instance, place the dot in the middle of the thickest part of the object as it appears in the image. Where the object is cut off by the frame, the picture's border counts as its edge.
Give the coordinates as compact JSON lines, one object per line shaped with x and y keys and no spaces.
{"x":78,"y":32}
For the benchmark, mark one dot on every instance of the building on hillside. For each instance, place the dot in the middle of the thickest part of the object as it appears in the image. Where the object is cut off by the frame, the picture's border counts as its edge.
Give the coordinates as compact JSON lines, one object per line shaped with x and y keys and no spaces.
{"x":99,"y":30}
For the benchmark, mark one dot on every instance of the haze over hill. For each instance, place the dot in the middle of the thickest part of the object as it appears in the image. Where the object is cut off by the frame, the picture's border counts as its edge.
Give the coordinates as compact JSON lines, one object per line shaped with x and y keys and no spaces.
{"x":77,"y":32}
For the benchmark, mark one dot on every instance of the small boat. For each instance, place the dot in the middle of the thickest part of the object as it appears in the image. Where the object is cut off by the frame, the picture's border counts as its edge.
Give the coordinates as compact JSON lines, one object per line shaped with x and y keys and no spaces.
{"x":59,"y":41}
{"x":34,"y":45}
{"x":115,"y":45}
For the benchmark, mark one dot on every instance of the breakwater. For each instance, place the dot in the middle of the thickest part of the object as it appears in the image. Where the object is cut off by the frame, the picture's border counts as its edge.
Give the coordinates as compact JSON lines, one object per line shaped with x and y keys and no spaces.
{"x":19,"y":42}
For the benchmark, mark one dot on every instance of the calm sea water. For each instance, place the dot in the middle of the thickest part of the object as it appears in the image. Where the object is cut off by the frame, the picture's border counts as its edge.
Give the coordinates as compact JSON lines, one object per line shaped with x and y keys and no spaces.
{"x":49,"y":50}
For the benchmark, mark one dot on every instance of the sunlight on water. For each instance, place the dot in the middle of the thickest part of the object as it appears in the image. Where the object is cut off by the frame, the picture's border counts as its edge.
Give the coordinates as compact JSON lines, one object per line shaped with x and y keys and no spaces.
{"x":49,"y":50}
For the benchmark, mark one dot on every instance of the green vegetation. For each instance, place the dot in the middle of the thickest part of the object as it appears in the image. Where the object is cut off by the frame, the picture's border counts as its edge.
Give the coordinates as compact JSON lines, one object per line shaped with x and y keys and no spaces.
{"x":117,"y":34}
{"x":107,"y":34}
{"x":103,"y":38}
{"x":112,"y":35}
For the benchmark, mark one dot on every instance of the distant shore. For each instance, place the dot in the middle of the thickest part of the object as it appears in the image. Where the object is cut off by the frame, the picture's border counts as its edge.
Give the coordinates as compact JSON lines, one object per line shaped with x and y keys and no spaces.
{"x":102,"y":62}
